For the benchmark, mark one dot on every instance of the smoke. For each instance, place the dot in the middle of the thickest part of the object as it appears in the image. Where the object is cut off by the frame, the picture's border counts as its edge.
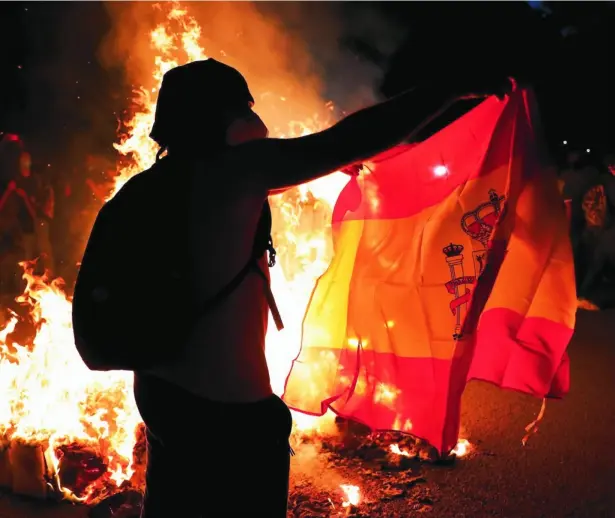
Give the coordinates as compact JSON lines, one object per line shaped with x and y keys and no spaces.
{"x":63,"y":101}
{"x":350,"y":42}
{"x":313,"y":468}
{"x":292,"y":54}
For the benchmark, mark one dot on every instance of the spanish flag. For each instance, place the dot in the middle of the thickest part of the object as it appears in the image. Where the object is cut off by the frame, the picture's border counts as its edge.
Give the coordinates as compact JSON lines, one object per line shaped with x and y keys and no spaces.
{"x":452,"y":262}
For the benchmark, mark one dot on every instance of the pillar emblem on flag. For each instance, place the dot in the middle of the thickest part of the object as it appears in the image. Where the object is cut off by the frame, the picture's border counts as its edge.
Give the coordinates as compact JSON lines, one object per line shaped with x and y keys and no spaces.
{"x":478,"y":224}
{"x":458,"y":285}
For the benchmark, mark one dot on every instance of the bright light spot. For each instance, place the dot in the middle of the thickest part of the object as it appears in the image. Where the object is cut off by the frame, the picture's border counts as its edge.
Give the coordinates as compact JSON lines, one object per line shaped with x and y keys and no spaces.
{"x":462,"y":448}
{"x":588,"y":150}
{"x":398,"y":451}
{"x":352,"y":494}
{"x":440,"y":170}
{"x":565,"y":142}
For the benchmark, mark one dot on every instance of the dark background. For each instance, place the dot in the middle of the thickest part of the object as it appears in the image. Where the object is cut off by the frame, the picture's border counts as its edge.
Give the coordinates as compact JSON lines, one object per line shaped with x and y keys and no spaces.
{"x":564,"y":50}
{"x":54,"y":92}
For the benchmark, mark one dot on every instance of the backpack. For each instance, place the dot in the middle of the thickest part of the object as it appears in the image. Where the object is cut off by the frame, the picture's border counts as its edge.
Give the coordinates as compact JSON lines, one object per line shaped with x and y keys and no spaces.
{"x":133,"y":306}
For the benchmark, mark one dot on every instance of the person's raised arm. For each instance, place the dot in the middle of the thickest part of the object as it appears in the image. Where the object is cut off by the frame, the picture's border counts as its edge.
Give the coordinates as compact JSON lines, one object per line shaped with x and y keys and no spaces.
{"x":287,"y":162}
{"x":283,"y":163}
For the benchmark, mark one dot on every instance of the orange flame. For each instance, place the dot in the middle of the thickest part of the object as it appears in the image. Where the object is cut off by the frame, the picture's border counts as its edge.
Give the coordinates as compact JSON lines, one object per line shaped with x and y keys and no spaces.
{"x":462,"y":448}
{"x":51,"y":398}
{"x":394,"y":448}
{"x":352,"y":495}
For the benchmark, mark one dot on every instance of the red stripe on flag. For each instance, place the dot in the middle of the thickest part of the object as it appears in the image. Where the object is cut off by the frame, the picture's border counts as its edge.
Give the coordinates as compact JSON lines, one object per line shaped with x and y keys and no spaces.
{"x":414,"y":394}
{"x":523,"y":354}
{"x":410,"y":179}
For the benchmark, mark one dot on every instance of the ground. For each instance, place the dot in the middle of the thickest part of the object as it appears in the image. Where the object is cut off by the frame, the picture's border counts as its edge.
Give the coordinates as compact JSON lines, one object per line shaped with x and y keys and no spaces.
{"x":566,"y":470}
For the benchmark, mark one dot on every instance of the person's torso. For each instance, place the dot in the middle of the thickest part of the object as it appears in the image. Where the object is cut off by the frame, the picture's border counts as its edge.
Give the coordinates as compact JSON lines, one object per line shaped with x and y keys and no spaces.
{"x":224,"y":359}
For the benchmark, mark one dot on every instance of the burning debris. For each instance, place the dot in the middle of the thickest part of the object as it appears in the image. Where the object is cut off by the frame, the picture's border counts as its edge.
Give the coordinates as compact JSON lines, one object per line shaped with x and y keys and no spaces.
{"x":347,"y":474}
{"x":387,"y":486}
{"x":57,"y":418}
{"x":361,"y":474}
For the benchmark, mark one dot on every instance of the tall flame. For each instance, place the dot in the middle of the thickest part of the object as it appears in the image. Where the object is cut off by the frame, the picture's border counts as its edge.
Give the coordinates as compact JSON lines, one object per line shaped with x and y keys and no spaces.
{"x":51,"y":398}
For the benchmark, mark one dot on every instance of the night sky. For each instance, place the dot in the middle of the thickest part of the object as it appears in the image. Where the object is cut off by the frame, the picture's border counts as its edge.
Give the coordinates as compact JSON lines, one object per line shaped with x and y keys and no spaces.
{"x":54,"y":91}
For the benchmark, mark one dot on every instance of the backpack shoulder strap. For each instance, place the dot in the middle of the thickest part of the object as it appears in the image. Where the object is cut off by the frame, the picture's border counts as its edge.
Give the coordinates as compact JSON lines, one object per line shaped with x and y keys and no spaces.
{"x":273,"y":307}
{"x":263,"y":242}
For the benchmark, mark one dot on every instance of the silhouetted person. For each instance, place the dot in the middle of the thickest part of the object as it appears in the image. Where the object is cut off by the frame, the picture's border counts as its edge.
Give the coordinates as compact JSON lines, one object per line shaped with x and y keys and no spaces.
{"x":218,"y":438}
{"x":599,"y":239}
{"x":598,"y":283}
{"x":18,"y":212}
{"x":578,"y":177}
{"x":607,"y":178}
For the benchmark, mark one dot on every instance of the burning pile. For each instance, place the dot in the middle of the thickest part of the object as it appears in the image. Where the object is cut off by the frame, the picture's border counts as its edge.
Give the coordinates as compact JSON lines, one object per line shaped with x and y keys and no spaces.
{"x":74,"y":431}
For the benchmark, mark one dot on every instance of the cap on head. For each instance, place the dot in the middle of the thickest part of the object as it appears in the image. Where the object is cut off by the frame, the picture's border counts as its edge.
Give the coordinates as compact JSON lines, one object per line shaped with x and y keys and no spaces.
{"x":195,"y":97}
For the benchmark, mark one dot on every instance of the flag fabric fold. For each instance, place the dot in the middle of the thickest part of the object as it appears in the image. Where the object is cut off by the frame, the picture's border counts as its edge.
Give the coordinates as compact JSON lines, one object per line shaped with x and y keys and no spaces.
{"x":451,"y":262}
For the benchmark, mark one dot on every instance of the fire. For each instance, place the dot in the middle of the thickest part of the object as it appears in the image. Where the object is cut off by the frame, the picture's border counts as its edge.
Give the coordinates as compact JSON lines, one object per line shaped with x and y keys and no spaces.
{"x":135,"y":142}
{"x":394,"y":448}
{"x":462,"y":448}
{"x":352,"y":495}
{"x":51,"y":398}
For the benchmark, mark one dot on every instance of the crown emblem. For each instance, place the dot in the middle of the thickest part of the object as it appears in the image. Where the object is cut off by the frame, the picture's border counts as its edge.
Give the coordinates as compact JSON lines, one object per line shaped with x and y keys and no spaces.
{"x":452,"y":250}
{"x":479,"y":223}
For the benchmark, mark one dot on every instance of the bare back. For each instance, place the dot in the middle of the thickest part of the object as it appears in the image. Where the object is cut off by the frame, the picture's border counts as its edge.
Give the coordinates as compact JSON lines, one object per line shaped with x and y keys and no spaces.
{"x":225,"y":359}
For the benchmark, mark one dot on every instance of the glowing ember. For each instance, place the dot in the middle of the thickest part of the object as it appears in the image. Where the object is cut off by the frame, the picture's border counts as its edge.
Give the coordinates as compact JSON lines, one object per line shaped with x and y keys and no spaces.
{"x":462,"y":448}
{"x":352,"y":495}
{"x":394,"y":448}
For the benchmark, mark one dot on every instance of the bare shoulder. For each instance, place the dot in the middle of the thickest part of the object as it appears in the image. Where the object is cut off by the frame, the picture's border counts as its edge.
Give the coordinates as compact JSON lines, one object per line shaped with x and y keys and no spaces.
{"x":228,"y":174}
{"x":279,"y":163}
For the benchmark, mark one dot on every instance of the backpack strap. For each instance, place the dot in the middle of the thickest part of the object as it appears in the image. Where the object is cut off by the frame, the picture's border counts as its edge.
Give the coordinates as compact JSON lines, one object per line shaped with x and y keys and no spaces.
{"x":273,"y":307}
{"x":263,"y":241}
{"x":261,"y":245}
